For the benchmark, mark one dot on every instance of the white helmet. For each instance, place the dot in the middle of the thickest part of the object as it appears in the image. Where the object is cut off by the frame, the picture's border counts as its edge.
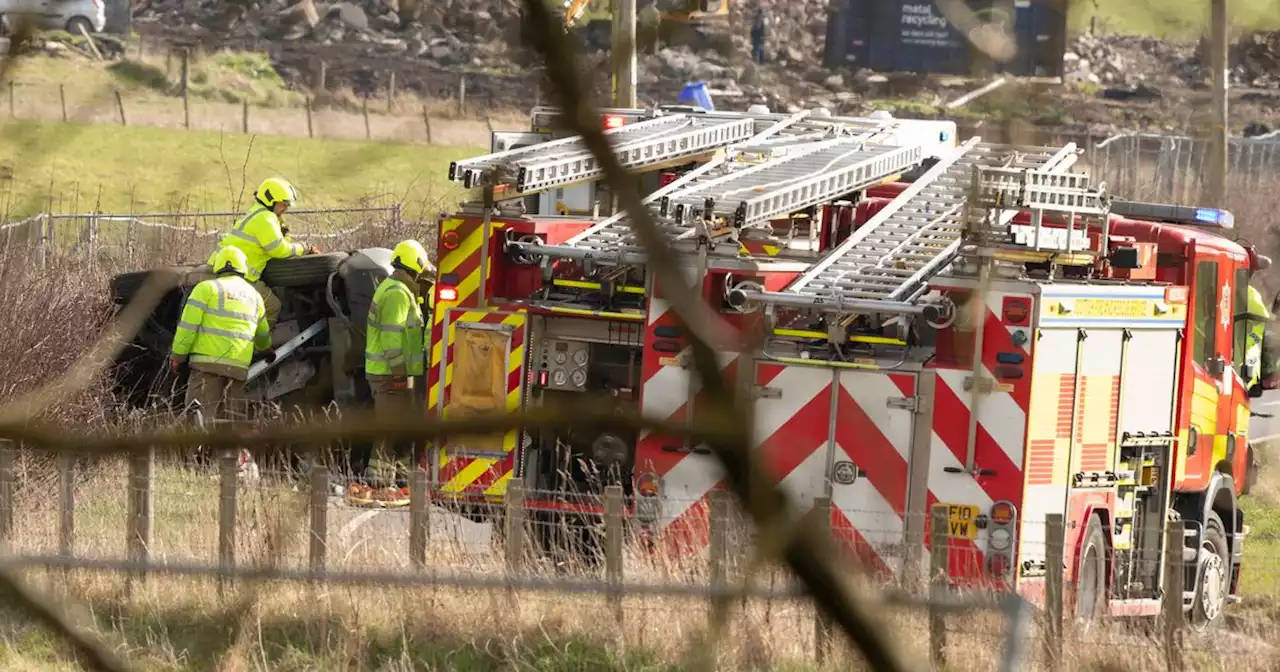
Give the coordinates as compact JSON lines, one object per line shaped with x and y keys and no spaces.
{"x":758,"y":109}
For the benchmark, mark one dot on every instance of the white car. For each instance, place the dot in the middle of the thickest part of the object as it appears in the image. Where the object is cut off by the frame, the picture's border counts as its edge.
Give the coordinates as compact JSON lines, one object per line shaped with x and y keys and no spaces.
{"x":68,"y":15}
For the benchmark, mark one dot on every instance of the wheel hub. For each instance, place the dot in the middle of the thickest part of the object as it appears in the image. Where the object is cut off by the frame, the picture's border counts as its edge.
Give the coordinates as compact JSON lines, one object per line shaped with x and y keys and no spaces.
{"x":1213,"y":581}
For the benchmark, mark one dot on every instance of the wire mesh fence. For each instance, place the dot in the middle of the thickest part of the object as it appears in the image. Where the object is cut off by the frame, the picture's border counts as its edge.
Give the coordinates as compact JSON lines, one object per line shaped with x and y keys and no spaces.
{"x":1171,"y":168}
{"x":152,"y":520}
{"x":136,"y":240}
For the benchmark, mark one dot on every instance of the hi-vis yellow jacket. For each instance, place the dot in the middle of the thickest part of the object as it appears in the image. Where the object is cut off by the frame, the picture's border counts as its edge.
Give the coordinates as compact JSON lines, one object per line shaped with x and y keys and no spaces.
{"x":223,"y":322}
{"x":395,"y":334}
{"x":258,"y":235}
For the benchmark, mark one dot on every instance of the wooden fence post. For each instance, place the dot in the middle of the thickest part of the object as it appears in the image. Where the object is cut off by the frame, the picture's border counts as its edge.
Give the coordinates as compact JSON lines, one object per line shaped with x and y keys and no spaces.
{"x":13,"y":110}
{"x":462,"y":95}
{"x":613,"y":536}
{"x":319,"y":548}
{"x":822,"y":625}
{"x":514,"y":519}
{"x":391,"y":93}
{"x":1053,"y":555}
{"x":718,"y":543}
{"x":8,"y":490}
{"x":186,"y":88}
{"x":364,"y":108}
{"x":939,"y":555}
{"x":419,"y":515}
{"x":322,"y":75}
{"x":66,"y":504}
{"x":245,"y":123}
{"x":1172,"y":613}
{"x":311,"y":132}
{"x":124,"y":121}
{"x":226,"y":515}
{"x":62,"y":97}
{"x":426,"y":121}
{"x":141,"y":511}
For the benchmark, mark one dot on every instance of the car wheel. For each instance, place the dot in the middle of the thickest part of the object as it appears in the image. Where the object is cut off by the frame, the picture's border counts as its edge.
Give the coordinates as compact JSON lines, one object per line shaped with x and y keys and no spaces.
{"x":1091,"y":576}
{"x":307,"y":271}
{"x":77,"y":22}
{"x":1213,"y":576}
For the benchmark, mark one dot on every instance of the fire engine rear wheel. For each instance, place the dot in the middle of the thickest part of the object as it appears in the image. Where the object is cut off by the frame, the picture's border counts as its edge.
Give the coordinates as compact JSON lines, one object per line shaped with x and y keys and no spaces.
{"x":1213,"y":576}
{"x":1091,"y":577}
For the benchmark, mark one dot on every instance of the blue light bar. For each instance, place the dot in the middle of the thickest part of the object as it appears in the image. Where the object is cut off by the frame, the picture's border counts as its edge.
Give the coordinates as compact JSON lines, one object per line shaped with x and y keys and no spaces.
{"x":1216,"y":217}
{"x":1177,"y":214}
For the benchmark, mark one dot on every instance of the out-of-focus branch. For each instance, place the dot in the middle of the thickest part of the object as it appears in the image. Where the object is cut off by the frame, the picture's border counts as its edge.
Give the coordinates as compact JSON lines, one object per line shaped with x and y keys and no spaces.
{"x":764,"y":501}
{"x":90,"y":652}
{"x":122,"y":329}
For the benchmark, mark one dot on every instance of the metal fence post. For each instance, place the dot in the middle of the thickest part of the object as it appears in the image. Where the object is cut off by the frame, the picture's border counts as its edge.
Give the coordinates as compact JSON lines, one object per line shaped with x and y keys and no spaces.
{"x":66,"y":504}
{"x":821,"y":621}
{"x":141,"y":510}
{"x":939,"y":555}
{"x":8,"y":491}
{"x":1053,"y":555}
{"x":226,"y":515}
{"x":1172,"y":612}
{"x":319,"y":548}
{"x":613,"y":536}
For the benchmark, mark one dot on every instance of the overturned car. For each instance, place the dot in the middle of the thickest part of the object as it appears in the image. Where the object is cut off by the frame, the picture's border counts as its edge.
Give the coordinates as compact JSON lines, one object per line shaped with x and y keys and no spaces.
{"x":318,"y":362}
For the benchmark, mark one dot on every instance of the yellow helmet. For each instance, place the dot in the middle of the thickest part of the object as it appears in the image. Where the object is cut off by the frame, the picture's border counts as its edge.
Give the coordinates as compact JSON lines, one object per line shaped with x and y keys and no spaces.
{"x":274,"y":190}
{"x":411,"y":256}
{"x":230,"y":260}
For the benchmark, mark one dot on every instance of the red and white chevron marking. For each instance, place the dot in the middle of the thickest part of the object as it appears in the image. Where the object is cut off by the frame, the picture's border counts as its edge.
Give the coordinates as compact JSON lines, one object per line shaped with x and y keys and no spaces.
{"x":1001,"y":431}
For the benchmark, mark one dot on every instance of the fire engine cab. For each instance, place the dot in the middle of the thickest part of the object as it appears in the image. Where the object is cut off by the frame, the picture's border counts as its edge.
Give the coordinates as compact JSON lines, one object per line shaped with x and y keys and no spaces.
{"x":944,"y":322}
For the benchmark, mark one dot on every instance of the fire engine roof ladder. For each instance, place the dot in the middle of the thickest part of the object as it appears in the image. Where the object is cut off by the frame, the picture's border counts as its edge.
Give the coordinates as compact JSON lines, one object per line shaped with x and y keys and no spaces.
{"x":786,"y":171}
{"x":884,"y":265}
{"x":648,"y":144}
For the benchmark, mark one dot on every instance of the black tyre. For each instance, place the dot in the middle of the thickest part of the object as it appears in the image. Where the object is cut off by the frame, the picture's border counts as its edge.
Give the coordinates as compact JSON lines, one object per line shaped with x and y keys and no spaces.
{"x":77,"y":22}
{"x":1213,"y":576}
{"x":126,"y":285}
{"x":1091,"y":577}
{"x":308,"y":271}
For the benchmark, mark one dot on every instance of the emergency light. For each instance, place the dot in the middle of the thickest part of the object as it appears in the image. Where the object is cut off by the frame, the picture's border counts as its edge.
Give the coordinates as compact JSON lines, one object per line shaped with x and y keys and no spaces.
{"x":1176,"y":214}
{"x":613,"y":121}
{"x":446,"y":293}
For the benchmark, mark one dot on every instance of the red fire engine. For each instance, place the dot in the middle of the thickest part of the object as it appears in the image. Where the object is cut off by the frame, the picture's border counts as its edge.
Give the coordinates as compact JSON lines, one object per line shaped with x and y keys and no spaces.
{"x":963,"y":324}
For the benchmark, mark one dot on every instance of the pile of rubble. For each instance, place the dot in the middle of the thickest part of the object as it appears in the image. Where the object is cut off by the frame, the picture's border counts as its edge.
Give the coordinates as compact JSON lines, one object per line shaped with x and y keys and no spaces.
{"x":1256,"y":60}
{"x":1125,"y":61}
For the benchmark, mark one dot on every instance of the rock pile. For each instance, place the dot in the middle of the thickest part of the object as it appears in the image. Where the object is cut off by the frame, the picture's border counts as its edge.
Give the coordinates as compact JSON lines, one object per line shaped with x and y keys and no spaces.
{"x":1256,"y":59}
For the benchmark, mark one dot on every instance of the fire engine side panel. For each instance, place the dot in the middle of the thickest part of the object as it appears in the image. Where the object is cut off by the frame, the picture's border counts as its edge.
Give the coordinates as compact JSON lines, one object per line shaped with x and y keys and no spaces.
{"x":1120,"y":376}
{"x":871,"y":465}
{"x":997,"y":446}
{"x":460,"y":268}
{"x":482,"y":369}
{"x":1049,"y":425}
{"x":688,"y":475}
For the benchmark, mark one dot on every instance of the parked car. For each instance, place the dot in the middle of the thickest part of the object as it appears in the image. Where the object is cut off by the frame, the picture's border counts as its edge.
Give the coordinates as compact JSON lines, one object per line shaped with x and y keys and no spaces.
{"x":68,"y":15}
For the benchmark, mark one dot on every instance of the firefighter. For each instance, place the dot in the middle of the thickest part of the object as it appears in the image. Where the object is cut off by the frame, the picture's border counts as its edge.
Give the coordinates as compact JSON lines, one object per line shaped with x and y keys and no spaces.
{"x":223,"y":323}
{"x":262,"y":237}
{"x":1253,"y":354}
{"x":394,"y":347}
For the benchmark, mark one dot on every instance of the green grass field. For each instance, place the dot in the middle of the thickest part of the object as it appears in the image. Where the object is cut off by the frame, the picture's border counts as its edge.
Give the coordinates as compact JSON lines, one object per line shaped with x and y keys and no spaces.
{"x":1169,"y":18}
{"x":77,"y":168}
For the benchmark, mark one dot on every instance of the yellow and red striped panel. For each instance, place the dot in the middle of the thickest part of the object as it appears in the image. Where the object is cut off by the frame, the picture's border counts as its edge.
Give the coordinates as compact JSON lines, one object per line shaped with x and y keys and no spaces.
{"x":463,"y":262}
{"x":475,"y":476}
{"x":463,"y":475}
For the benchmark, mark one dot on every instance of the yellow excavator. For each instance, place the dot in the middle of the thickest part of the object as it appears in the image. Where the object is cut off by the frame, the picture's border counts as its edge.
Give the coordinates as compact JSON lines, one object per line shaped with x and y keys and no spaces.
{"x":695,"y":23}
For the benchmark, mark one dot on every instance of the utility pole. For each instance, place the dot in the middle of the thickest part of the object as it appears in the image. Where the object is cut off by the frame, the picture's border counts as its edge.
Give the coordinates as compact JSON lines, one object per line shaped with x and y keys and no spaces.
{"x":1218,"y":42}
{"x":623,"y":52}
